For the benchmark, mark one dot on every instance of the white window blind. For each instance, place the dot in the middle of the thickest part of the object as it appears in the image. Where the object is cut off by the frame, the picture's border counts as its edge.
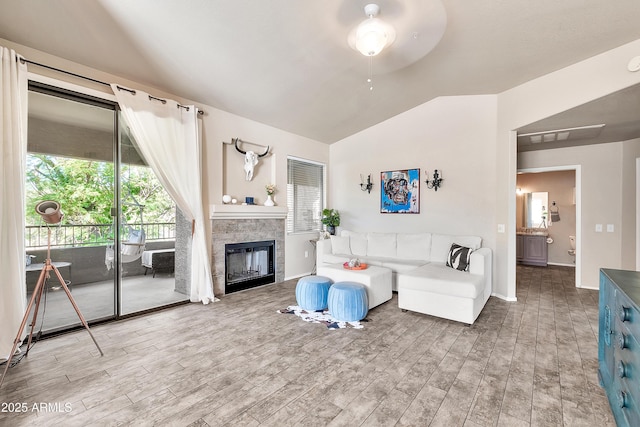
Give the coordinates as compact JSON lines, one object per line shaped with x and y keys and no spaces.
{"x":305,"y":195}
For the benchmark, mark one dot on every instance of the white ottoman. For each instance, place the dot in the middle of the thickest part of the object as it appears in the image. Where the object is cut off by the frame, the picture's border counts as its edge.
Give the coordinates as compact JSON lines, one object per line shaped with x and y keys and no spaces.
{"x":376,"y":279}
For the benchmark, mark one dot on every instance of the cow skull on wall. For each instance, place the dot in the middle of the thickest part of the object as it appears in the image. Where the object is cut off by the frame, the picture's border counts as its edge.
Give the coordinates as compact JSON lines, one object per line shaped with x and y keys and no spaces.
{"x":250,"y":159}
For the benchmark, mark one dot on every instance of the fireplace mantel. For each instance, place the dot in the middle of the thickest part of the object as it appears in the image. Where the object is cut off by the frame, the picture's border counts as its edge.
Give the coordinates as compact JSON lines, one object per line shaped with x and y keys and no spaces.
{"x":247,"y":212}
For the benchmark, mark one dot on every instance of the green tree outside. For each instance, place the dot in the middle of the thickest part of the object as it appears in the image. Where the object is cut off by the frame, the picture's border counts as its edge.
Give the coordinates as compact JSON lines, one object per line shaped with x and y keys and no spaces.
{"x":84,"y":189}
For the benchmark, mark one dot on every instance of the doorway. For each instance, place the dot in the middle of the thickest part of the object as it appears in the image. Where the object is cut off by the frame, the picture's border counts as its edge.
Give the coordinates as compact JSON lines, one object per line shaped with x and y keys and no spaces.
{"x":562,"y":186}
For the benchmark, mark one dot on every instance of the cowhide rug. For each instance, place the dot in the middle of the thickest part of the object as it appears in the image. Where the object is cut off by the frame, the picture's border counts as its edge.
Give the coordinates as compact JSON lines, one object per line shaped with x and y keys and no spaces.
{"x":321,"y":316}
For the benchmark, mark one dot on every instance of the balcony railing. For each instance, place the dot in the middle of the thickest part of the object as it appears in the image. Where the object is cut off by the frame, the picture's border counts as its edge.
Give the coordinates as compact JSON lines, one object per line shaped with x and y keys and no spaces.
{"x":92,"y":234}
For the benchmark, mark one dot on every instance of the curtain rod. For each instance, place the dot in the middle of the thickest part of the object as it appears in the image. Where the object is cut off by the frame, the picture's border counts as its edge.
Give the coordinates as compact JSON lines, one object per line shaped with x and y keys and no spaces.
{"x":155,"y":98}
{"x":23,"y":60}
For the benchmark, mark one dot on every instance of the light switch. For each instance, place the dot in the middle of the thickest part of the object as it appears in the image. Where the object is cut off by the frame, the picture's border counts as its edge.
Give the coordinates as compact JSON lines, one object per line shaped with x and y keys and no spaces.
{"x":501,"y":228}
{"x":610,"y":228}
{"x":598,"y":228}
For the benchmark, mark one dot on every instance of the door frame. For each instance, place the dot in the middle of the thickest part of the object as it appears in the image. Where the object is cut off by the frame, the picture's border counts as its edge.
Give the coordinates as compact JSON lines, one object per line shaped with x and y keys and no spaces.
{"x":578,"y":171}
{"x":638,"y":213}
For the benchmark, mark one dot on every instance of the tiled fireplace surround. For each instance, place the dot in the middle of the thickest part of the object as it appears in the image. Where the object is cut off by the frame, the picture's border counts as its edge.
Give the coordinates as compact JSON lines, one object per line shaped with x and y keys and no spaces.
{"x":239,"y":224}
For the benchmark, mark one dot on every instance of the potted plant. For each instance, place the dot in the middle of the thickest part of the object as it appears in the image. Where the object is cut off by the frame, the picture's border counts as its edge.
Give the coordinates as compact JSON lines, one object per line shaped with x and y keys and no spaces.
{"x":331,"y":218}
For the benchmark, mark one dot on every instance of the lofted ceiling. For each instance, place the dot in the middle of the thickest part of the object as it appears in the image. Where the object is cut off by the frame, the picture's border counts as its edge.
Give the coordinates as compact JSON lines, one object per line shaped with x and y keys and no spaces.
{"x":287,"y":63}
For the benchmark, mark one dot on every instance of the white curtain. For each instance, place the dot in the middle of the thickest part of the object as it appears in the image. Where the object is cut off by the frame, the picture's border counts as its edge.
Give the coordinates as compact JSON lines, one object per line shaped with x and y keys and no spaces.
{"x":13,"y":127}
{"x":167,"y":136}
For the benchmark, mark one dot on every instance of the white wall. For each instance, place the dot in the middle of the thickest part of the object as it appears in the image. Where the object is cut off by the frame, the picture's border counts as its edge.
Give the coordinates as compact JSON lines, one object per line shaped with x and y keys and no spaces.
{"x":225,"y":172}
{"x":537,"y":99}
{"x":630,"y":152}
{"x":455,"y":135}
{"x":217,"y":126}
{"x":601,"y":201}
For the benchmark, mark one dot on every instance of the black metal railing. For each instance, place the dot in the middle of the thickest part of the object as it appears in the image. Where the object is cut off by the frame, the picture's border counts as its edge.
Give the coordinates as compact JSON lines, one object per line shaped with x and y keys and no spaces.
{"x":92,"y":234}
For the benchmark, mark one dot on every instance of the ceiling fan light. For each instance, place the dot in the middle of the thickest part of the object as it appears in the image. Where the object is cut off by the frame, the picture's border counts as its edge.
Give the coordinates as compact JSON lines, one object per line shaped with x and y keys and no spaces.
{"x":371,"y":37}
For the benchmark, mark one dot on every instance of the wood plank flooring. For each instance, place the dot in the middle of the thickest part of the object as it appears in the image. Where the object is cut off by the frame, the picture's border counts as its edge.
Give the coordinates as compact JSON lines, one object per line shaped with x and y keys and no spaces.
{"x":238,"y":362}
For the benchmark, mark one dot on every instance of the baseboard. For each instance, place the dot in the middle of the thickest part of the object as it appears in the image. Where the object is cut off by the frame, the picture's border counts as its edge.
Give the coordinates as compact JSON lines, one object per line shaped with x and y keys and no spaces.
{"x":560,"y":264}
{"x":588,"y":287}
{"x":502,"y":297}
{"x":297,"y":276}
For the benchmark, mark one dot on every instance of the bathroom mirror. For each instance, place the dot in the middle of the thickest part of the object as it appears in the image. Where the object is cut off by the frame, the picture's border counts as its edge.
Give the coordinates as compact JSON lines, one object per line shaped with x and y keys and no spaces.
{"x":536,"y":209}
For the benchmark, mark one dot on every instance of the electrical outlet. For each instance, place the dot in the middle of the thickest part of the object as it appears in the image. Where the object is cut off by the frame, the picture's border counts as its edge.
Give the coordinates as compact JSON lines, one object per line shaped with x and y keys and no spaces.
{"x":598,"y":228}
{"x":306,"y":254}
{"x":610,"y":228}
{"x":501,"y":228}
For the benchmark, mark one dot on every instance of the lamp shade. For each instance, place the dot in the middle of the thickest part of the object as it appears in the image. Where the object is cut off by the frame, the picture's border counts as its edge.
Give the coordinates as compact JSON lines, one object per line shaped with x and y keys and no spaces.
{"x":49,"y":211}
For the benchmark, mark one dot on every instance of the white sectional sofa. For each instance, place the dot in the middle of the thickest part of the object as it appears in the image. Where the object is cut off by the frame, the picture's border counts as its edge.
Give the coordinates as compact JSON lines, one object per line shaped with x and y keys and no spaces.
{"x":419,"y":273}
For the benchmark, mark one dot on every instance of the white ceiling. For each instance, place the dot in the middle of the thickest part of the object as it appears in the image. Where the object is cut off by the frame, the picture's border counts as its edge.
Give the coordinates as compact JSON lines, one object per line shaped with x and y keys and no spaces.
{"x":287,"y":63}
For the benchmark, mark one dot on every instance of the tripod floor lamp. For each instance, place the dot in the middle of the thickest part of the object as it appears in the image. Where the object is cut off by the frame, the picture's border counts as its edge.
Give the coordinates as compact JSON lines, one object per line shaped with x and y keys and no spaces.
{"x":51,"y":214}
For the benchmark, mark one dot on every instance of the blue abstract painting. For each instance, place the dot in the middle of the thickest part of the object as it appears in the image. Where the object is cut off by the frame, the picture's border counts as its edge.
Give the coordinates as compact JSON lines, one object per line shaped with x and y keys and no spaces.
{"x":400,"y":191}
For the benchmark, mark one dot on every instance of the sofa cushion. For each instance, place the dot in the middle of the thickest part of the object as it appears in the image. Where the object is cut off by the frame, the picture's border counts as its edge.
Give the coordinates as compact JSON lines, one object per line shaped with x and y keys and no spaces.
{"x":441,"y":243}
{"x":372,"y":261}
{"x":413,"y":246}
{"x":459,"y":257}
{"x":402,"y":266}
{"x":440,"y":279}
{"x":340,"y":245}
{"x":381,"y":245}
{"x":335,"y":259}
{"x":357,"y":242}
{"x":396,"y":265}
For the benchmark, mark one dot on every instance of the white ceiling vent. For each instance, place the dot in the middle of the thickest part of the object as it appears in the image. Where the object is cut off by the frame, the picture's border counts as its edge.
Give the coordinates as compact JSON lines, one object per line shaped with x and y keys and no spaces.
{"x":582,"y":132}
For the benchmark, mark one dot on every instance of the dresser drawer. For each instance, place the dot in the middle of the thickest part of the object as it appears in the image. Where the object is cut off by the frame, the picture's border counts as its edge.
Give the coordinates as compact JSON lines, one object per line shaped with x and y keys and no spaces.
{"x":624,"y":406}
{"x":627,"y":315}
{"x":627,"y":365}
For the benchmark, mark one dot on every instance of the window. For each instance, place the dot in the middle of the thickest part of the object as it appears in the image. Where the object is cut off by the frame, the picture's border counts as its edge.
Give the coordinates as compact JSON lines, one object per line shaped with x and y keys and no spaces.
{"x":305,"y":195}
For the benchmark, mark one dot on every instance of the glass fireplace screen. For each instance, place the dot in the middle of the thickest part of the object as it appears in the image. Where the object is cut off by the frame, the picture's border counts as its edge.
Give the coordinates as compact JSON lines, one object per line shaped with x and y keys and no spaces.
{"x":248,"y":264}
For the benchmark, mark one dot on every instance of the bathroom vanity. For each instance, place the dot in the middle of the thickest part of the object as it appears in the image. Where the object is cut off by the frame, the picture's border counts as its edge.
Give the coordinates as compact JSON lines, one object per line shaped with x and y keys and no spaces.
{"x":531,"y":248}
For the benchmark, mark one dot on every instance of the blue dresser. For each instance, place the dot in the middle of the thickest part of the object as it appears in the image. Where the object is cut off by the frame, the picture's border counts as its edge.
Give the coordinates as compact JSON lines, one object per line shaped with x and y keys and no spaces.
{"x":618,"y":349}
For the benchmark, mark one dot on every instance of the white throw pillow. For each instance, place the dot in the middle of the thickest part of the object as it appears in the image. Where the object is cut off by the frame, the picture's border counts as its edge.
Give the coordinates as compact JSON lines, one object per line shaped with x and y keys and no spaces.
{"x":414,"y":246}
{"x":381,"y":245}
{"x":340,"y":245}
{"x":357,"y":242}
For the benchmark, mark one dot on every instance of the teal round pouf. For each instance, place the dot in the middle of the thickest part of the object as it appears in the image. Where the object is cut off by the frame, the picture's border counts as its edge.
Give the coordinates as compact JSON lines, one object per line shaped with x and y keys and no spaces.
{"x":312,"y":291}
{"x":348,"y":301}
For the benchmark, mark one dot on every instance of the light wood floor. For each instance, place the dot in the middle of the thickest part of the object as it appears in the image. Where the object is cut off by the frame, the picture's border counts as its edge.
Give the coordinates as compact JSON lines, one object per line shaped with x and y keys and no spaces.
{"x":238,"y":362}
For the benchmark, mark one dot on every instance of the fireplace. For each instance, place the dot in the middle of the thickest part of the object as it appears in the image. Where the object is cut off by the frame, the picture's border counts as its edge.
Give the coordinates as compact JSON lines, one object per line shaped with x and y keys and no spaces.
{"x":232,"y":224}
{"x":248,"y":265}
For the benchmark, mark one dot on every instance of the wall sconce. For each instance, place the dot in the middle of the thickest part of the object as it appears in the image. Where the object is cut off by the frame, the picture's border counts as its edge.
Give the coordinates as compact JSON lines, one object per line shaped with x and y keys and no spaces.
{"x":436,"y":182}
{"x":368,"y":186}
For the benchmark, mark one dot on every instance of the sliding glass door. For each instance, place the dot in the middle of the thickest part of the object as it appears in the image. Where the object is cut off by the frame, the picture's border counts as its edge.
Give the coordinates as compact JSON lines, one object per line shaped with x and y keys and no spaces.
{"x":71,"y":161}
{"x":115,"y":246}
